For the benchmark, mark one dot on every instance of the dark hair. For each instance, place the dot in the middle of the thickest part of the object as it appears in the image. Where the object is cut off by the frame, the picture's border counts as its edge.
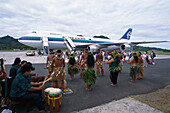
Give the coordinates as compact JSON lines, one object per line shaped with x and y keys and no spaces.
{"x":51,"y":51}
{"x":24,"y":61}
{"x":118,"y":59}
{"x":26,"y":68}
{"x":29,"y":63}
{"x":72,"y":61}
{"x":16,"y":61}
{"x":139,"y":53}
{"x":1,"y":63}
{"x":90,"y":60}
{"x":136,"y":58}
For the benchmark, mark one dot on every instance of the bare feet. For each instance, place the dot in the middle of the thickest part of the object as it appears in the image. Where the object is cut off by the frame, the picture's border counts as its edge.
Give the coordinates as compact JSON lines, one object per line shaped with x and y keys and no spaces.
{"x":71,"y":78}
{"x":132,"y":81}
{"x":42,"y":111}
{"x":113,"y":84}
{"x":88,"y":89}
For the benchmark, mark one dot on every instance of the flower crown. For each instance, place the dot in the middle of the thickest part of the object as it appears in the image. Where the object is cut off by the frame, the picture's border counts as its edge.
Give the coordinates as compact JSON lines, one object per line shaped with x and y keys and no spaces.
{"x":72,"y":55}
{"x":115,"y":54}
{"x":134,"y":54}
{"x":89,"y":53}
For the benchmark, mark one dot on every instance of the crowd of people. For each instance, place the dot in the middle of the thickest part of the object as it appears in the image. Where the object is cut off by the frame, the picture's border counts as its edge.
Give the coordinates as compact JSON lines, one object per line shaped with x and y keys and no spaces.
{"x":23,"y":88}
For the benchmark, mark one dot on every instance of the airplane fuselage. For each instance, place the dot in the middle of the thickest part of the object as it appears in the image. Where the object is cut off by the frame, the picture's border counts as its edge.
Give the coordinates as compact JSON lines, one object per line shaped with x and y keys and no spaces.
{"x":56,"y":41}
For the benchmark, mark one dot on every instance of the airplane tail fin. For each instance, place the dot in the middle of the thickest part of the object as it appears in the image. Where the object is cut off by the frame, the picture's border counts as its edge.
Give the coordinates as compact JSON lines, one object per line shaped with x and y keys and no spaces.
{"x":127,"y":34}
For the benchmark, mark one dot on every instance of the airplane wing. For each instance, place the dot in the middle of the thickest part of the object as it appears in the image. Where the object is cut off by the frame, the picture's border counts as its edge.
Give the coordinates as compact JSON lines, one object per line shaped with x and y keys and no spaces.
{"x":100,"y":45}
{"x":120,"y":43}
{"x":145,"y":42}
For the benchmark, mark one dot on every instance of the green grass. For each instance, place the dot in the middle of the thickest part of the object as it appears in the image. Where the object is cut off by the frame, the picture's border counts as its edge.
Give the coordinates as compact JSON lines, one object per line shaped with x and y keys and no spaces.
{"x":159,"y":99}
{"x":6,"y":50}
{"x":157,"y":52}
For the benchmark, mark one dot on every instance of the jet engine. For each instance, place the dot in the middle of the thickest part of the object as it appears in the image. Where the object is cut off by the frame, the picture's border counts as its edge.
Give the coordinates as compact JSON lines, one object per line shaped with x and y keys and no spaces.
{"x":126,"y":47}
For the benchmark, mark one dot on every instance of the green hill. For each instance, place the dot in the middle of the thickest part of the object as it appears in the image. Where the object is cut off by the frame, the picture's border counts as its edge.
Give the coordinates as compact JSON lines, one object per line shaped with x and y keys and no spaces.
{"x":9,"y":43}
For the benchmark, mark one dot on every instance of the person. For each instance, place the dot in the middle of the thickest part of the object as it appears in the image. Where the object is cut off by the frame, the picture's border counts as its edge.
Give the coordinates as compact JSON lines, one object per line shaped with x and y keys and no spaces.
{"x":99,"y":63}
{"x":72,"y":67}
{"x":120,"y":57}
{"x":144,"y":57}
{"x":78,"y":56}
{"x":22,"y":90}
{"x":22,"y":64}
{"x":152,"y":55}
{"x":134,"y":68}
{"x":15,"y":66}
{"x":141,"y":69}
{"x":147,"y":57}
{"x":83,"y":58}
{"x":130,"y":55}
{"x":114,"y":67}
{"x":89,"y":76}
{"x":49,"y":62}
{"x":58,"y":69}
{"x":103,"y":54}
{"x":124,"y":55}
{"x":2,"y":76}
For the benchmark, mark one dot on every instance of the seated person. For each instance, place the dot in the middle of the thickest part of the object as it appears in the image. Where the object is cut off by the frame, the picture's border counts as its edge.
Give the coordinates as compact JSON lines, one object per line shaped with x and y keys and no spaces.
{"x":22,"y":90}
{"x":15,"y":67}
{"x":22,"y":64}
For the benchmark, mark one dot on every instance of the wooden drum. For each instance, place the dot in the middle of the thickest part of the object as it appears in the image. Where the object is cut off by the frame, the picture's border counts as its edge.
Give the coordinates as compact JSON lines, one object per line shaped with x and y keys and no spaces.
{"x":54,"y":99}
{"x":46,"y":93}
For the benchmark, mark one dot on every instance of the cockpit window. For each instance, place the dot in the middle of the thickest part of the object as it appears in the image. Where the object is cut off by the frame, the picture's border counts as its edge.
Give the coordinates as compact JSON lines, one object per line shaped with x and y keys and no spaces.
{"x":34,"y":32}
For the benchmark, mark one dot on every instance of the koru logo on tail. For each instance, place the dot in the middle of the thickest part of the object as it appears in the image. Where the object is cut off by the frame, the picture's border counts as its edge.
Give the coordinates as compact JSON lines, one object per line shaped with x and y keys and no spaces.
{"x":129,"y":34}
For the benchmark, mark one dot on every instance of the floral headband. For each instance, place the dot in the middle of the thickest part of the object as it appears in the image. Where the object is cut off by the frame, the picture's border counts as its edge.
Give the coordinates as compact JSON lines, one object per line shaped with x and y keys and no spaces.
{"x":89,"y":53}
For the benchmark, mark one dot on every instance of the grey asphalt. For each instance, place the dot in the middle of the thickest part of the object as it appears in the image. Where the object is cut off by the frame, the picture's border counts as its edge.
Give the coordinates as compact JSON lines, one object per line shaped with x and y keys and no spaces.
{"x":155,"y":77}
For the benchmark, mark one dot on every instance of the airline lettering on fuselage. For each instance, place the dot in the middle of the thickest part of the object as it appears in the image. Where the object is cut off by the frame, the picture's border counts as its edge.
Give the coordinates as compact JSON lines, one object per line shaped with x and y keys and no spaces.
{"x":74,"y":38}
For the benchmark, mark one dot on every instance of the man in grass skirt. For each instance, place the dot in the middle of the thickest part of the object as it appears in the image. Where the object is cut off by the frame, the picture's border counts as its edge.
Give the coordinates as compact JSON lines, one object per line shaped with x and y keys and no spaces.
{"x":58,"y":68}
{"x":83,"y":58}
{"x":49,"y":62}
{"x":99,"y":63}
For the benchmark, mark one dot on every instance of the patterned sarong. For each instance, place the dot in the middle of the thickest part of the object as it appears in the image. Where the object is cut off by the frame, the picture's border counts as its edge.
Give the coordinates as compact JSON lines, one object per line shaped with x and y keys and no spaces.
{"x":99,"y":63}
{"x":58,"y":74}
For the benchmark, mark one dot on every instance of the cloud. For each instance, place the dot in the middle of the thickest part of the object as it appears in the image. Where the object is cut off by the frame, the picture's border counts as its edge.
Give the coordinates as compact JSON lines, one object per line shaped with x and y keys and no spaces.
{"x":148,"y":19}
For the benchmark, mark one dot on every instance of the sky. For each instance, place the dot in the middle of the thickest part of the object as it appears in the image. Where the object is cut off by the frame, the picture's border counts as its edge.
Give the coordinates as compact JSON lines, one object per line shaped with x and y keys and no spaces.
{"x":149,"y":19}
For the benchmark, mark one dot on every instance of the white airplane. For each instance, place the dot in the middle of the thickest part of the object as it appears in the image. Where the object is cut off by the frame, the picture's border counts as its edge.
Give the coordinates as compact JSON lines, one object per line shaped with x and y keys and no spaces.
{"x":52,"y":40}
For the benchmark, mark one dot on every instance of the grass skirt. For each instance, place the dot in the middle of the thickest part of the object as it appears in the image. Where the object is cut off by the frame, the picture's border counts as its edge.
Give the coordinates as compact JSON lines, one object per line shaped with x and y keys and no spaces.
{"x":89,"y":76}
{"x":134,"y":70}
{"x":115,"y":69}
{"x":72,"y":69}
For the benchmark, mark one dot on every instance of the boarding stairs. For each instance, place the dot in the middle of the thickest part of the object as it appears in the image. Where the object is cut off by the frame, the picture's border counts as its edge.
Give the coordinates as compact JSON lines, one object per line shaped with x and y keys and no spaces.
{"x":45,"y":45}
{"x":69,"y":43}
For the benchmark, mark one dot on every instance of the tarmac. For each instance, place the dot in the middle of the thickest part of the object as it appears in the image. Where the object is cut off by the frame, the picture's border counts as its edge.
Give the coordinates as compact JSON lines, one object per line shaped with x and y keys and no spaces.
{"x":104,"y":98}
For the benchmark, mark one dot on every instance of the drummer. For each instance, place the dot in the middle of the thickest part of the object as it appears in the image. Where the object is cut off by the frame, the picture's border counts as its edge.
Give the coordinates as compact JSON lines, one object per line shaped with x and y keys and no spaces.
{"x":58,"y":68}
{"x":22,"y":90}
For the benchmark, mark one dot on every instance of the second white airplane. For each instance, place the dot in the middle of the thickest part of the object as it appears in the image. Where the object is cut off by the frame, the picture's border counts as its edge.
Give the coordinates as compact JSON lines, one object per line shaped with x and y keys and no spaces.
{"x":52,"y":40}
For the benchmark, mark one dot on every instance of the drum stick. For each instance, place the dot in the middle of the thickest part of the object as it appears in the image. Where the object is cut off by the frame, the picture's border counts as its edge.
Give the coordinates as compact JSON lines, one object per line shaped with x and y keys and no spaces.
{"x":46,"y":81}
